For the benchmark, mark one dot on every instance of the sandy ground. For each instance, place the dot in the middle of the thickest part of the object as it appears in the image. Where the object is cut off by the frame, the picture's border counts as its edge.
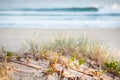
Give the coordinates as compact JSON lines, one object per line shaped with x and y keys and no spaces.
{"x":12,"y":38}
{"x":26,"y":73}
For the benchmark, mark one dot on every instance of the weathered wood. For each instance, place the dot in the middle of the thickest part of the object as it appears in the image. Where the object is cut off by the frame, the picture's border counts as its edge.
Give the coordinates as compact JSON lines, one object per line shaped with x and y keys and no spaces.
{"x":29,"y":65}
{"x":77,"y":69}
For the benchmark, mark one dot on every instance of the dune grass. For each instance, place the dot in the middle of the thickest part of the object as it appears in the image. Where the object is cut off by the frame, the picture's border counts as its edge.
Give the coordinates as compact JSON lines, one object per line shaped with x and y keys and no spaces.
{"x":75,"y":48}
{"x":67,"y":46}
{"x":82,"y":47}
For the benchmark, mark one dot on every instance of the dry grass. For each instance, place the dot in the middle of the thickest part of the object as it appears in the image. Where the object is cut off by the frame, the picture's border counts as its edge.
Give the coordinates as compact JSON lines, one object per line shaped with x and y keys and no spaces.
{"x":68,"y":45}
{"x":99,"y":53}
{"x":2,"y":71}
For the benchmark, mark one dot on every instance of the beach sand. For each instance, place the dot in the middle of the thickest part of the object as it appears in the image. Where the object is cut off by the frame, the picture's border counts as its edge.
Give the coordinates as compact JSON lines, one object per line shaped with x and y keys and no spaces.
{"x":12,"y":38}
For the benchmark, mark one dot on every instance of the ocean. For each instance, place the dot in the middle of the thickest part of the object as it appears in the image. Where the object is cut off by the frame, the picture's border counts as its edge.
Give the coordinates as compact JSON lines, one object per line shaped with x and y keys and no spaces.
{"x":88,"y":17}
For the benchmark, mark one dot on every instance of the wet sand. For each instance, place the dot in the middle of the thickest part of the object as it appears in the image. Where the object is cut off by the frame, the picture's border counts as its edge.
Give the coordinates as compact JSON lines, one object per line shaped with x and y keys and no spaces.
{"x":12,"y":38}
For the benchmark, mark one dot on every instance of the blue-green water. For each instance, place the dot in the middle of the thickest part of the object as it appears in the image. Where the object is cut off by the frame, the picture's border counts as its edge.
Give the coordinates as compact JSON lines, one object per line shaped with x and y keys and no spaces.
{"x":60,"y":17}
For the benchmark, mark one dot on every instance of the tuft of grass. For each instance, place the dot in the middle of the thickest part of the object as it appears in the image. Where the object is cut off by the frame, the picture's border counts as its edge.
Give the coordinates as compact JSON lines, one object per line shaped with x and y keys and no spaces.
{"x":64,"y":45}
{"x":99,"y":53}
{"x":31,"y":44}
{"x":83,"y":45}
{"x":6,"y":55}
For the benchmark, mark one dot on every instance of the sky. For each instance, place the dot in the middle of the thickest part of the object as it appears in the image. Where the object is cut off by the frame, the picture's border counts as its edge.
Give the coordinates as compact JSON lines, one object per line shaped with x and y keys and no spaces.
{"x":56,"y":3}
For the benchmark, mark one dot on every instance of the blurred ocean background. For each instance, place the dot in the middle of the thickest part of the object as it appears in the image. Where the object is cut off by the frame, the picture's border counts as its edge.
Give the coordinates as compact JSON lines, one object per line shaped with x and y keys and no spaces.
{"x":86,"y":17}
{"x":96,"y":19}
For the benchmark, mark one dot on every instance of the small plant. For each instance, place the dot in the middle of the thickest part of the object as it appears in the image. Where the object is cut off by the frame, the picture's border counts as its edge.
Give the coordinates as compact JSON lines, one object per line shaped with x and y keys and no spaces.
{"x":18,"y":58}
{"x":72,"y":58}
{"x":80,"y":61}
{"x":46,"y":55}
{"x":118,"y":71}
{"x":113,"y":68}
{"x":52,"y":65}
{"x":9,"y":56}
{"x":53,"y":61}
{"x":27,"y":59}
{"x":9,"y":53}
{"x":37,"y":58}
{"x":50,"y":70}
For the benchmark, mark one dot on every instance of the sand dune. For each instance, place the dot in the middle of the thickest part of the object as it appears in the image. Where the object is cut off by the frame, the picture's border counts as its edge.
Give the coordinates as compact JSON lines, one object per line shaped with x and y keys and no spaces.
{"x":12,"y":38}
